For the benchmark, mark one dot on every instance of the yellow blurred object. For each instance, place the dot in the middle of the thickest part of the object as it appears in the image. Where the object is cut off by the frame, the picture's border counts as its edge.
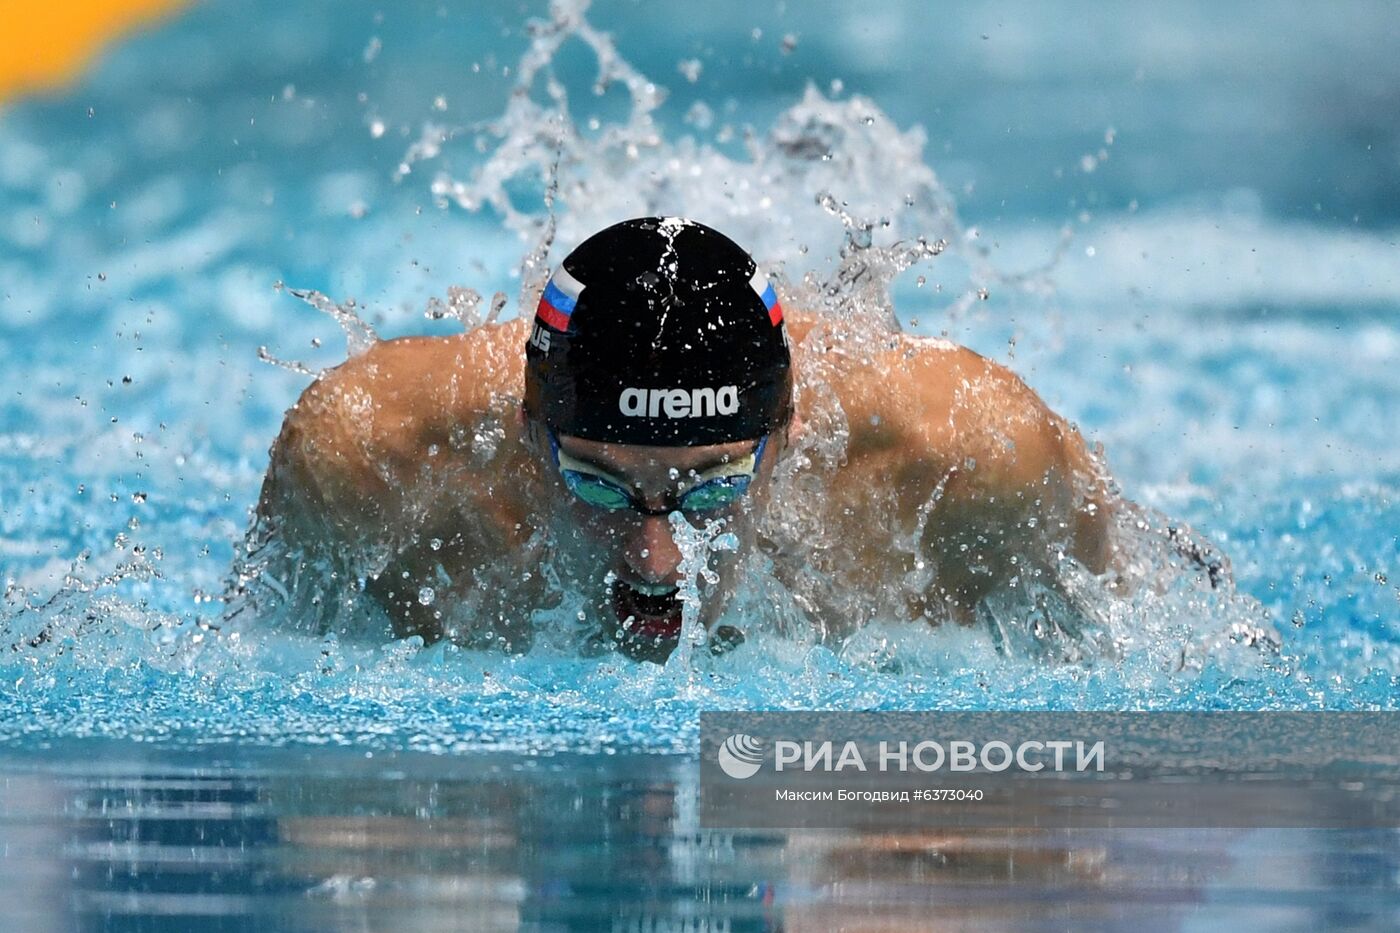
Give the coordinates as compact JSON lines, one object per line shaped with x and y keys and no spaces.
{"x":45,"y":44}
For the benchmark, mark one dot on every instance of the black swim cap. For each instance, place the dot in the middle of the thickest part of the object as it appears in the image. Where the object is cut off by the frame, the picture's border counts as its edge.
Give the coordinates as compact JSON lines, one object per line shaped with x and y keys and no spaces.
{"x":659,"y":331}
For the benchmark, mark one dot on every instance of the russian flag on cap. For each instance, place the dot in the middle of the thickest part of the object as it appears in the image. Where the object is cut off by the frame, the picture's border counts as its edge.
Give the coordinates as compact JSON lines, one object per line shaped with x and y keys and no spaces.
{"x":558,"y":299}
{"x":760,"y":284}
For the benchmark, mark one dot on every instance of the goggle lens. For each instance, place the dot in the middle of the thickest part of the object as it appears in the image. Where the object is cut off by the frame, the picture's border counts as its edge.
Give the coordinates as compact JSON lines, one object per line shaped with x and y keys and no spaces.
{"x":596,"y":491}
{"x":714,"y":493}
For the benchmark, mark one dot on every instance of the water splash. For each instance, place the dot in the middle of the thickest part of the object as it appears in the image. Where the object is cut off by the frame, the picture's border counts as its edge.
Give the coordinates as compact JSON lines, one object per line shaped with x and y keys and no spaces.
{"x":697,"y":545}
{"x":463,"y":305}
{"x":823,"y":158}
{"x":359,"y":335}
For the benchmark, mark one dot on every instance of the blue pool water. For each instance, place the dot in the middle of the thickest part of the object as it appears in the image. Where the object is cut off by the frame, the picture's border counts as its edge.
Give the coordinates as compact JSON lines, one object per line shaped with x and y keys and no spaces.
{"x":1186,"y":225}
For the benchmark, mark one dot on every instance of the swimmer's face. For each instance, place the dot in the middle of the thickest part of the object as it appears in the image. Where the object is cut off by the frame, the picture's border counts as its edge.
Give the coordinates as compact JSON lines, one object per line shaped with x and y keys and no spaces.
{"x":631,"y":558}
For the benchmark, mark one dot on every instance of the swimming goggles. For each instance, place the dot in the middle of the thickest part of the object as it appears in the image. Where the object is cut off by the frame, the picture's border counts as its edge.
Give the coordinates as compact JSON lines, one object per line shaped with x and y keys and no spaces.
{"x":719,"y":486}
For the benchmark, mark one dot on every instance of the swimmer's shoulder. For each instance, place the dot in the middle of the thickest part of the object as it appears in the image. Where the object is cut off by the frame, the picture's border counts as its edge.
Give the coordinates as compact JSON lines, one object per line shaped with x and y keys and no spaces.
{"x":464,"y":366}
{"x":931,"y":400}
{"x":379,"y":413}
{"x":411,"y":383}
{"x":927,"y":413}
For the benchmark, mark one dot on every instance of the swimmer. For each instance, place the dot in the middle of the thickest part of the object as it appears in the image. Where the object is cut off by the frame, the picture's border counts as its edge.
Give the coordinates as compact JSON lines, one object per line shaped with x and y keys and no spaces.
{"x":450,"y":477}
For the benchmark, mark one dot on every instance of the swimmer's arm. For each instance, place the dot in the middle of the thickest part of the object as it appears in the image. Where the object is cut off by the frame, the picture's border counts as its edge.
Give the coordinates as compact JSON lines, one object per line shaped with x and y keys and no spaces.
{"x":337,"y":467}
{"x":325,"y":504}
{"x":379,"y":455}
{"x":383,"y":441}
{"x":999,"y":524}
{"x":1019,"y":487}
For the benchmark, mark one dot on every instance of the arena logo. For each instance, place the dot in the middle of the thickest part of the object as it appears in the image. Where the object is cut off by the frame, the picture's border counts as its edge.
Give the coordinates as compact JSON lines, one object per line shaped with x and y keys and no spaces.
{"x":679,"y":403}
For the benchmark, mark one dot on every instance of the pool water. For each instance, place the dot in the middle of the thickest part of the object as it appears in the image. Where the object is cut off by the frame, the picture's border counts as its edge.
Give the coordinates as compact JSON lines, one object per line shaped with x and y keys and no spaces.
{"x":1184,"y":224}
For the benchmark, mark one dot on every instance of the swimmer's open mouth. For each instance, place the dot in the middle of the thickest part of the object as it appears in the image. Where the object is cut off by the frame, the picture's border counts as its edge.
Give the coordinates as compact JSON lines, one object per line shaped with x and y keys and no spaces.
{"x":654,"y":616}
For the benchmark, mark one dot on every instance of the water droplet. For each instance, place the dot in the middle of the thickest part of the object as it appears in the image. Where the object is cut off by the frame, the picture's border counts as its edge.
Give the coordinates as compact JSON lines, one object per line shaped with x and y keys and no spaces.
{"x":426,"y":596}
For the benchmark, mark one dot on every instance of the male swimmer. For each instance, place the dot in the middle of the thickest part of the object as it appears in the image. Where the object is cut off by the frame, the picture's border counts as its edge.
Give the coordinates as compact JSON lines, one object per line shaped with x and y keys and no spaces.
{"x":451,"y":486}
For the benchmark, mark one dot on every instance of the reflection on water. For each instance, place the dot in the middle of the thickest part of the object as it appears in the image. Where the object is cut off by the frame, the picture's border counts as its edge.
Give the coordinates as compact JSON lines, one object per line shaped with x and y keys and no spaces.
{"x":309,"y":841}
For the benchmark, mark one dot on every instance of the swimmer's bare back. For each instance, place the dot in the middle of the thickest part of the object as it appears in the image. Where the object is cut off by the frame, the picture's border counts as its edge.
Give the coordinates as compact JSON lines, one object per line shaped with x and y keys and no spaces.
{"x":416,"y":447}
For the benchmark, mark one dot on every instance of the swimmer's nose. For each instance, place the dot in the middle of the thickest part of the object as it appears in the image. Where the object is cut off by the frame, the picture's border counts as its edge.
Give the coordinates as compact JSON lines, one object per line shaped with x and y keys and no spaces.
{"x":651,"y":550}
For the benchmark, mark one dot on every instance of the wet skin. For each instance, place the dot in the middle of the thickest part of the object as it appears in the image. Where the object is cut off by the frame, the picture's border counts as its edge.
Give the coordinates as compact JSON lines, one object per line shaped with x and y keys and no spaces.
{"x":419,"y":448}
